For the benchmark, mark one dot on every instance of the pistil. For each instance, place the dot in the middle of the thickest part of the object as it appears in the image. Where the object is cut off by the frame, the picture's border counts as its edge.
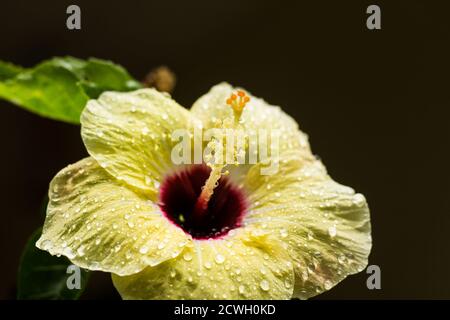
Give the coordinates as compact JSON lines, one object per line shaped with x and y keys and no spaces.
{"x":237,"y":102}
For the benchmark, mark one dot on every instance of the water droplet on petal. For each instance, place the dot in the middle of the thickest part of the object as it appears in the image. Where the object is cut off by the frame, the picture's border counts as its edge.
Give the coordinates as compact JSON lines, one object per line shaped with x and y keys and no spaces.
{"x":69,"y":253}
{"x":359,"y":200}
{"x":145,"y":131}
{"x":46,"y":244}
{"x":219,"y":259}
{"x":187,"y":256}
{"x":80,"y":251}
{"x":332,"y":231}
{"x":287,"y":284}
{"x":264,"y":285}
{"x":241,"y":289}
{"x":143,"y":250}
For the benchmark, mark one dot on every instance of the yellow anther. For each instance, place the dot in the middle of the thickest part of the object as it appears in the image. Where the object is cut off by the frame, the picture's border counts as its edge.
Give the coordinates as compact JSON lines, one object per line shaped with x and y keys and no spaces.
{"x":237,"y":101}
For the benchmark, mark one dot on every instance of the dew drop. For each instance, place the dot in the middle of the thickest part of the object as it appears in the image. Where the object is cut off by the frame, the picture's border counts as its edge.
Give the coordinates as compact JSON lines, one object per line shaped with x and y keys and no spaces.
{"x":187,"y":256}
{"x":219,"y":259}
{"x":145,"y":131}
{"x":305,"y":275}
{"x":69,"y":253}
{"x":359,"y":200}
{"x":264,"y":285}
{"x":147,"y":180}
{"x":80,"y":251}
{"x":46,"y":244}
{"x":332,"y":231}
{"x":143,"y":250}
{"x":241,"y":289}
{"x":341,"y":259}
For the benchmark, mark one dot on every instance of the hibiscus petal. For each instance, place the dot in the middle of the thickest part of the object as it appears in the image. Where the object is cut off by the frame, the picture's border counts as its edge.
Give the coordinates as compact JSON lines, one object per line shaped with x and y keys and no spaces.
{"x":129,"y":134}
{"x":100,"y":224}
{"x":325,"y":226}
{"x":240,"y":266}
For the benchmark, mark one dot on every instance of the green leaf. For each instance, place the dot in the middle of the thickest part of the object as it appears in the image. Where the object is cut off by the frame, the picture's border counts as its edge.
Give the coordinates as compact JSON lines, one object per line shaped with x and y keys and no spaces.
{"x":44,"y":277}
{"x":8,"y":70}
{"x":59,"y":88}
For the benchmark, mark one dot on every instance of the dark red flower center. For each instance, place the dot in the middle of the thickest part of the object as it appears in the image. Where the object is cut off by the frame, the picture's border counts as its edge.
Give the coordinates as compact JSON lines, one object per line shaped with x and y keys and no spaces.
{"x":178,"y":197}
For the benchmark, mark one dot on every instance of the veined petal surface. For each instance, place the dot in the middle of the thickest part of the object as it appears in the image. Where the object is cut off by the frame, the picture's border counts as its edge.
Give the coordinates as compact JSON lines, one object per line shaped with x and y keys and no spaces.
{"x":130,"y":135}
{"x":100,"y":224}
{"x":240,"y":266}
{"x":325,"y":226}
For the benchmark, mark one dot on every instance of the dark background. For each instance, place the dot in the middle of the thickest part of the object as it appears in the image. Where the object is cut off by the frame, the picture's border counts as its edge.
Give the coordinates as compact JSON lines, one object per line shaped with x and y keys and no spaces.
{"x":374,"y":103}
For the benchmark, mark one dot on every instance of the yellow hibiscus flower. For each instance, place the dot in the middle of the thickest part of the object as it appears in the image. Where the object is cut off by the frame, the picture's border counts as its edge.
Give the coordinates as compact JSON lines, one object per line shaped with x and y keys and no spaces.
{"x":129,"y":210}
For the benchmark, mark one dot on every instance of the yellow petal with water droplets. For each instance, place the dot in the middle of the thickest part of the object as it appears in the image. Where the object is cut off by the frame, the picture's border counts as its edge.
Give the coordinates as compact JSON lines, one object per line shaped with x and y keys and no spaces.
{"x":129,"y":134}
{"x":100,"y":224}
{"x":237,"y":267}
{"x":325,"y":226}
